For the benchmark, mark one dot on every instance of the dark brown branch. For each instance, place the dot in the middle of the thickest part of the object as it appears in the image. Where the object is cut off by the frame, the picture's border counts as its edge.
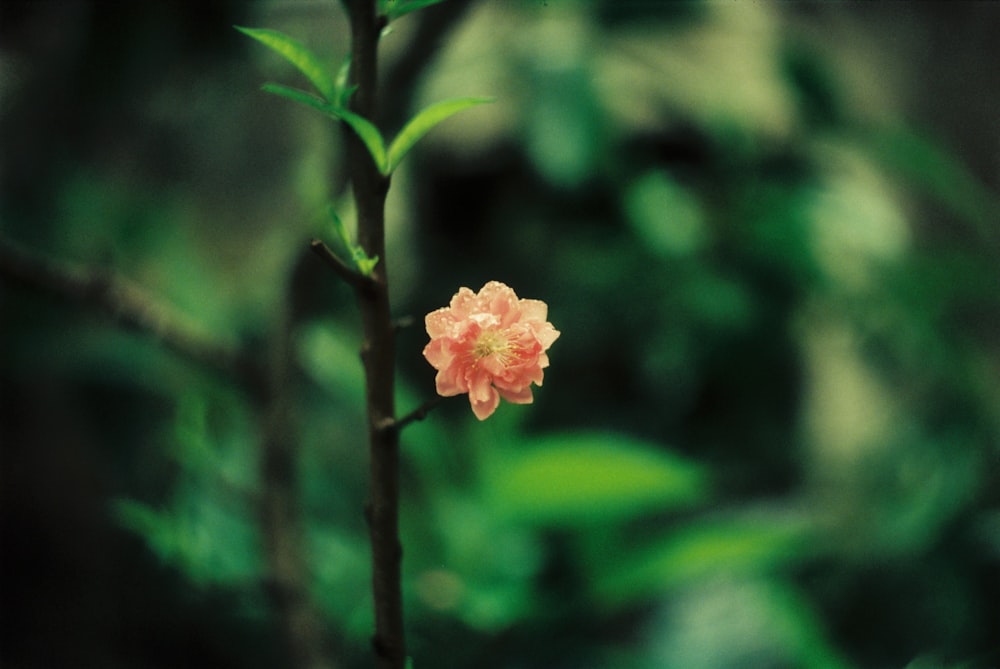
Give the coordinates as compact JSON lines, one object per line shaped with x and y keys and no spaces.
{"x":370,"y":189}
{"x":131,"y":306}
{"x":417,"y":414}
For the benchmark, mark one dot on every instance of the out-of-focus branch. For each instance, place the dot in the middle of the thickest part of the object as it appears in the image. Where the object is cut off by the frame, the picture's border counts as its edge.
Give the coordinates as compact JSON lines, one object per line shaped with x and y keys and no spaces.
{"x":350,"y":276}
{"x":136,"y":309}
{"x":131,"y":306}
{"x":289,"y":577}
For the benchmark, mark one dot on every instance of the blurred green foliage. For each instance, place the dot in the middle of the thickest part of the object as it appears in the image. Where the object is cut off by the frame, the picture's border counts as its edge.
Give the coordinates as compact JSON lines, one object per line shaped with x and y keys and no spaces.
{"x":770,"y":434}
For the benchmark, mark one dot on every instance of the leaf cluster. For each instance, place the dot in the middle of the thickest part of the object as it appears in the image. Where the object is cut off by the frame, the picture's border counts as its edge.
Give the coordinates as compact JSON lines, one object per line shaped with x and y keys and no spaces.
{"x":333,"y":93}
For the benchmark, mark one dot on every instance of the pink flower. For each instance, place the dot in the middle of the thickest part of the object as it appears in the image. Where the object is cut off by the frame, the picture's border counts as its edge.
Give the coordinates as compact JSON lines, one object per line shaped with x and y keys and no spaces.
{"x":489,"y":344}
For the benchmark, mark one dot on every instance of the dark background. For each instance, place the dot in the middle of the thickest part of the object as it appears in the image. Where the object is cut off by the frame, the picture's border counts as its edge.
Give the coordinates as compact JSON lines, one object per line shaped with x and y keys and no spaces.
{"x":768,"y":232}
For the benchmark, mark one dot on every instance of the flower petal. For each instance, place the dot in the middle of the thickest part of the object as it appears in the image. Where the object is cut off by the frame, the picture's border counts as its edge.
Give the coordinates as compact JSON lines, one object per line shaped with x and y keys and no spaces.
{"x":534,"y":311}
{"x":463,"y":303}
{"x":501,"y":301}
{"x":485,"y":408}
{"x":449,"y":383}
{"x":520,"y":396}
{"x":439,"y":322}
{"x":546,"y":334}
{"x":438,"y":354}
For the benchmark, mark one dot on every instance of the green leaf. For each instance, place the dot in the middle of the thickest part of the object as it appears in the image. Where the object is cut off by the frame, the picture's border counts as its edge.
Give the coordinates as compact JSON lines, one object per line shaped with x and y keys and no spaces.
{"x":364,"y":264}
{"x":183,"y":536}
{"x":344,"y":91}
{"x":296,"y":95}
{"x":364,"y":128}
{"x":590,"y":478}
{"x":368,"y":133}
{"x":396,"y":8}
{"x":152,"y":525}
{"x":424,"y":122}
{"x":339,"y":227}
{"x":938,"y":173}
{"x":328,"y":353}
{"x":299,"y":56}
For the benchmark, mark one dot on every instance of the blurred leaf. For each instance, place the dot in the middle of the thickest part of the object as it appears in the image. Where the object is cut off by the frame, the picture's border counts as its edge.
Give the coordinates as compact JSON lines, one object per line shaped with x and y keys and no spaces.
{"x":565,"y":125}
{"x":590,"y":478}
{"x":209,"y":542}
{"x":493,"y":563}
{"x":298,"y":55}
{"x":397,"y":8}
{"x":799,"y":626}
{"x":755,"y":622}
{"x":940,"y":174}
{"x":493,"y":606}
{"x":329,"y":354}
{"x":211,"y":431}
{"x":666,"y":216}
{"x":339,"y":563}
{"x":701,"y":551}
{"x":424,"y":122}
{"x":151,"y":525}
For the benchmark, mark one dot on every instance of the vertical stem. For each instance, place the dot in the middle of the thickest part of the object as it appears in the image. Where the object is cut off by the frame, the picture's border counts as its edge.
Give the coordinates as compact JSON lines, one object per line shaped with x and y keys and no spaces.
{"x":370,"y":189}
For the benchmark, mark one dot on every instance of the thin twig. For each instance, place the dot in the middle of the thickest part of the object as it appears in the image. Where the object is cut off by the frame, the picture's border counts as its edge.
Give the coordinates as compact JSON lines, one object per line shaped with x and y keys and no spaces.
{"x":417,"y":414}
{"x":351,"y":276}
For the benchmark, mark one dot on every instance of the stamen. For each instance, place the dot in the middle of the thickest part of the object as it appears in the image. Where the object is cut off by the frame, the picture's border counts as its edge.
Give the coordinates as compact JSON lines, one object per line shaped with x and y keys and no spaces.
{"x":492,"y":342}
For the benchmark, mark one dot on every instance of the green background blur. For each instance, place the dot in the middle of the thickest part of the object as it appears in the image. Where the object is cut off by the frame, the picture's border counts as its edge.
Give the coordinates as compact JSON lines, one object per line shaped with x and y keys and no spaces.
{"x":768,"y":232}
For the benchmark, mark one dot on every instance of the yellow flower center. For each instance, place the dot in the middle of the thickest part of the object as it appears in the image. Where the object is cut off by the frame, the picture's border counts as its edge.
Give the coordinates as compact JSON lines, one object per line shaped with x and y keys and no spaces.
{"x":490,"y":342}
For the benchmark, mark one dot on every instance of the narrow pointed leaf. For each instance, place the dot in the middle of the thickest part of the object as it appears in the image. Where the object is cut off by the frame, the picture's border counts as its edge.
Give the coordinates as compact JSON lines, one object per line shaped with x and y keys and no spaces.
{"x":344,"y":91}
{"x":365,"y":264}
{"x":295,"y":94}
{"x":339,"y":227}
{"x":424,"y":122}
{"x":298,"y":55}
{"x":368,"y":133}
{"x":362,"y":262}
{"x":397,"y":8}
{"x":343,"y":73}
